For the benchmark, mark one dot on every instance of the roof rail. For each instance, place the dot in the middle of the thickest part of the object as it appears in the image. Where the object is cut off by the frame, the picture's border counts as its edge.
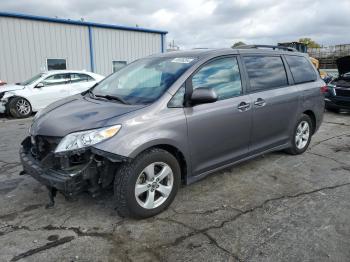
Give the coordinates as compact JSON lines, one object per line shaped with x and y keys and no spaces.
{"x":273,"y":47}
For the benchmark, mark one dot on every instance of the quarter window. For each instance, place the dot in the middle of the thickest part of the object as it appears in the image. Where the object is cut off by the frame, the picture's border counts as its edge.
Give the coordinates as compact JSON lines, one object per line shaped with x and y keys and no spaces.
{"x":222,"y":75}
{"x":178,"y":98}
{"x":301,"y":69}
{"x":265,"y":72}
{"x":56,"y":64}
{"x":58,"y":79}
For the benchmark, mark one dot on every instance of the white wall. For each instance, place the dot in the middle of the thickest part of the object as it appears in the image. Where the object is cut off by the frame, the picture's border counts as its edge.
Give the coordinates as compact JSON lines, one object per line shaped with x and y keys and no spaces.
{"x":26,"y":44}
{"x":120,"y":45}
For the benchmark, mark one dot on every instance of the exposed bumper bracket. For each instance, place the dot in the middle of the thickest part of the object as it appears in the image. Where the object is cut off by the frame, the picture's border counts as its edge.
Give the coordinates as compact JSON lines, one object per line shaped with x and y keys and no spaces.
{"x":52,"y":195}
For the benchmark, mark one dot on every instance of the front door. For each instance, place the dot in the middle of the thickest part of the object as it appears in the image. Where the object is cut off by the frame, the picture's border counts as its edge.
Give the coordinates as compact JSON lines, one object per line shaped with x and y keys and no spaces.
{"x":218,"y":133}
{"x":55,"y":87}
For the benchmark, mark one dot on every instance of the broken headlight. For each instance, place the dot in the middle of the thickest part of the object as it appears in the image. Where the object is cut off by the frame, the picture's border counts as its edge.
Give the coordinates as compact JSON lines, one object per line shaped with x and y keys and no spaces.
{"x":86,"y":138}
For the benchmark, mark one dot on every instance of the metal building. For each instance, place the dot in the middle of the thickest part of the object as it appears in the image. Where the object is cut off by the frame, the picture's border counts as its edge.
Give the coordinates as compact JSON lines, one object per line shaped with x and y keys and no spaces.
{"x":30,"y":44}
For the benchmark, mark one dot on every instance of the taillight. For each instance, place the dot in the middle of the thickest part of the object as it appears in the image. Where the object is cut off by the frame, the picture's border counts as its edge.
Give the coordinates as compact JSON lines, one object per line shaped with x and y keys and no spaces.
{"x":324,"y":89}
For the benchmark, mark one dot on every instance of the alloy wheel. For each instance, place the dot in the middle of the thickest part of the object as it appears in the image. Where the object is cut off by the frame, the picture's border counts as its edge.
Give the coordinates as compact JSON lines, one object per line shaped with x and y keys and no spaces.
{"x":23,"y":107}
{"x":302,"y":134}
{"x":154,"y":185}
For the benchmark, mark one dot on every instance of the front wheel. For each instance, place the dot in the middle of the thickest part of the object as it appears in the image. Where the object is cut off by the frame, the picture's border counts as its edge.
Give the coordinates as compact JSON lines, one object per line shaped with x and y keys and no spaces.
{"x":147,"y":185}
{"x":301,"y":137}
{"x":20,"y":107}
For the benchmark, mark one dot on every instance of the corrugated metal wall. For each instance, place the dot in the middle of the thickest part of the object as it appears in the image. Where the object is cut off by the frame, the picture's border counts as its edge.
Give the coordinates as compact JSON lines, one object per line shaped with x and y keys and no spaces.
{"x":118,"y":45}
{"x":26,"y":44}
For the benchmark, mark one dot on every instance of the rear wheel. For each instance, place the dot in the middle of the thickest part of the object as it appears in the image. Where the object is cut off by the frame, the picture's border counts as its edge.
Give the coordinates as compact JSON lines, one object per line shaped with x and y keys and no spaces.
{"x":147,"y":185}
{"x":20,"y":107}
{"x":301,"y":137}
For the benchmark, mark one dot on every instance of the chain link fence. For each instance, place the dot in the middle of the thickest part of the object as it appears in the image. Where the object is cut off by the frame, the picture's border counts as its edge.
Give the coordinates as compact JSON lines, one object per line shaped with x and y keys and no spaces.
{"x":327,"y":56}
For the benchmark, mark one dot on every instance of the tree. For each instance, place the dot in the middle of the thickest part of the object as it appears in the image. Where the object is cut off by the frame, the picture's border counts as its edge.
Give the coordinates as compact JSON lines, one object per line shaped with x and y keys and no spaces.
{"x":238,"y":44}
{"x":309,"y":42}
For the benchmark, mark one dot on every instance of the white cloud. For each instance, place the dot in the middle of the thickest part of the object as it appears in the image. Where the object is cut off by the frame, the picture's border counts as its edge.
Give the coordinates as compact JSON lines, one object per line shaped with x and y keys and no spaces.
{"x":210,"y":23}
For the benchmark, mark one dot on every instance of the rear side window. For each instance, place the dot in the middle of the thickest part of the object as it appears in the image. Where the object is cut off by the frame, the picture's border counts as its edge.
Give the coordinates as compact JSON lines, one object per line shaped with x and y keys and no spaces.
{"x":76,"y":78}
{"x":265,"y":72}
{"x":301,"y":69}
{"x":222,"y":75}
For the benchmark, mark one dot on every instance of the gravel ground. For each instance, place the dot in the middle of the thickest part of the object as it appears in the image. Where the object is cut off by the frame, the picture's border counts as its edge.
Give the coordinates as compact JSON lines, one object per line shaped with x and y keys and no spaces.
{"x":276,"y":207}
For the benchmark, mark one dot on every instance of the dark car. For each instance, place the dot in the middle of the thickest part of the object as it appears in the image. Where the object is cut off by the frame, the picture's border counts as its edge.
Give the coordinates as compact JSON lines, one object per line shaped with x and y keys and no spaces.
{"x":338,"y":90}
{"x":174,"y":118}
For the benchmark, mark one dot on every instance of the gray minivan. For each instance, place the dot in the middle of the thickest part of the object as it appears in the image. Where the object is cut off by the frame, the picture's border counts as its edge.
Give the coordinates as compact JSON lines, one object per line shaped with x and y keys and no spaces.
{"x":174,"y":118}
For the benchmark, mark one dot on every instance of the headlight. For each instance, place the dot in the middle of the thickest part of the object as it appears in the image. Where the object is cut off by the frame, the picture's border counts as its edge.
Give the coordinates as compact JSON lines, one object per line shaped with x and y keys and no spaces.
{"x":86,"y":138}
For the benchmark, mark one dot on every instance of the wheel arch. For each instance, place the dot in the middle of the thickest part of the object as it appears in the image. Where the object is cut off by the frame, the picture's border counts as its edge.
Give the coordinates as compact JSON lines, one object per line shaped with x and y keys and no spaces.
{"x":14,"y":96}
{"x":312,"y":115}
{"x":175,"y":151}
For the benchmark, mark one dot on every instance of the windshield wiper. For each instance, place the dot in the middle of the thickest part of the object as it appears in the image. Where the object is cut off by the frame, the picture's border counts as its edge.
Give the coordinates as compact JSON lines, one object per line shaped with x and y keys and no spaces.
{"x":116,"y":98}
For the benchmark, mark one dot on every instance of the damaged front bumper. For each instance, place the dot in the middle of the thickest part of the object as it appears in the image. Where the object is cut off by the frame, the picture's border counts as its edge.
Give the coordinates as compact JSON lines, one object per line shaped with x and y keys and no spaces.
{"x":63,"y":172}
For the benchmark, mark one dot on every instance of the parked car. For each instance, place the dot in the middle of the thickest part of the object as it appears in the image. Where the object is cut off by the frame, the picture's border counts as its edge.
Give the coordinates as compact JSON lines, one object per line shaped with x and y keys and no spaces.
{"x":32,"y":95}
{"x":338,"y":90}
{"x":174,"y":118}
{"x":2,"y":83}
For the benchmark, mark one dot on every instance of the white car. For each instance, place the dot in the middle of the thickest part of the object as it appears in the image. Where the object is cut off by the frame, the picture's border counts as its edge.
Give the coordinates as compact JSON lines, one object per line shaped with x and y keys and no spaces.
{"x":21,"y":99}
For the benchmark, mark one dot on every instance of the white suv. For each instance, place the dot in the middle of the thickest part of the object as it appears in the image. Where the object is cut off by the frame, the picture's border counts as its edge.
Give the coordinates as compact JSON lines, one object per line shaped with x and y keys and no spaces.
{"x":22,"y":99}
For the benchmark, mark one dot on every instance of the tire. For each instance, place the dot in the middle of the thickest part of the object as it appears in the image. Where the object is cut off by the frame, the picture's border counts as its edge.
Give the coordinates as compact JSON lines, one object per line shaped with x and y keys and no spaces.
{"x":300,"y":147}
{"x":137,"y":173}
{"x":20,"y":107}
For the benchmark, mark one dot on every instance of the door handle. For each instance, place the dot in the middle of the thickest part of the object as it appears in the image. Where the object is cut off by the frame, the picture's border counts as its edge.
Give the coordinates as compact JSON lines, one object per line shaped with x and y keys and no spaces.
{"x":260,"y":102}
{"x":243,"y":106}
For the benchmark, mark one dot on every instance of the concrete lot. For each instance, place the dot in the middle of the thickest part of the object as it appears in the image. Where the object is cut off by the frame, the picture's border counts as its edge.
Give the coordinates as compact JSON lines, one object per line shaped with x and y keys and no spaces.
{"x":274,"y":208}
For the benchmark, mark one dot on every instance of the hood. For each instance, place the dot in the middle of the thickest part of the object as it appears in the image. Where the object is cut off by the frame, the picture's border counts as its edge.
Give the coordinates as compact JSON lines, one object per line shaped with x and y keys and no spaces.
{"x":10,"y":87}
{"x":78,"y":113}
{"x":343,"y":65}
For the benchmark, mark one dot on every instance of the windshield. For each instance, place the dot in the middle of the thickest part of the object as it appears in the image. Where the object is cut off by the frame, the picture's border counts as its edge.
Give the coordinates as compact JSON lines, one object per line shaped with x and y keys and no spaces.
{"x":31,"y":80}
{"x":143,"y":81}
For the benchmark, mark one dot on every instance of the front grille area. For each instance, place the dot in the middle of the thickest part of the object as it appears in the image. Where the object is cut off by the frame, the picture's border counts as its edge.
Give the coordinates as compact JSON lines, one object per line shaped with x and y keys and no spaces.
{"x":42,"y":146}
{"x":343,"y":92}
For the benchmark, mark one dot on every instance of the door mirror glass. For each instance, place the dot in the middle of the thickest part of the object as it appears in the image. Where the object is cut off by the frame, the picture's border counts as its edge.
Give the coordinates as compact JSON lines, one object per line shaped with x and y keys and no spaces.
{"x":40,"y":85}
{"x":203,"y":95}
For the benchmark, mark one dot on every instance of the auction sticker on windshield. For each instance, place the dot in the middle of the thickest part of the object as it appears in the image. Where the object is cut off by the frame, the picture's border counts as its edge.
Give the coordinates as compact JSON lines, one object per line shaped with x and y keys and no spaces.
{"x":182,"y":60}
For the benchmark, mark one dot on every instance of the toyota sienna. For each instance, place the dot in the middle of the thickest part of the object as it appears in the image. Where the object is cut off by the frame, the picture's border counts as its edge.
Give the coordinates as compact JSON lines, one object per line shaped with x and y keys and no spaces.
{"x":174,"y":118}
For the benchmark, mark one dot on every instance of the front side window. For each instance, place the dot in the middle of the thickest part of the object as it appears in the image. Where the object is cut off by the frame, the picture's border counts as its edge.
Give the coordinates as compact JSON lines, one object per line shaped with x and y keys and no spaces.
{"x":301,"y":69}
{"x":117,"y":65}
{"x":57,"y":79}
{"x":222,"y":75}
{"x":145,"y":80}
{"x":56,"y":64}
{"x":76,"y":78}
{"x":265,"y":72}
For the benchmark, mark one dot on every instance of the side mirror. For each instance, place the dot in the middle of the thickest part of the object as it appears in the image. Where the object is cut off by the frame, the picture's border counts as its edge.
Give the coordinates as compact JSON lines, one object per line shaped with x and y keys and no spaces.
{"x":203,"y":95}
{"x":39,"y":85}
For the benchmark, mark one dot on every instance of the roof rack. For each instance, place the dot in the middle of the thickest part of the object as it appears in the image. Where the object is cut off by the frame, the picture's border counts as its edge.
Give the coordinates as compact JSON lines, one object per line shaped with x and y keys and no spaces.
{"x":273,"y":47}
